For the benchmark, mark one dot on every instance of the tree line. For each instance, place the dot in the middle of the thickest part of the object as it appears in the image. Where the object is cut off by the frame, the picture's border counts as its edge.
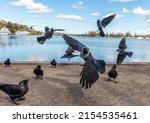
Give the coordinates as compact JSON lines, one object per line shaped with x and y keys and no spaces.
{"x":14,"y":27}
{"x":127,"y":34}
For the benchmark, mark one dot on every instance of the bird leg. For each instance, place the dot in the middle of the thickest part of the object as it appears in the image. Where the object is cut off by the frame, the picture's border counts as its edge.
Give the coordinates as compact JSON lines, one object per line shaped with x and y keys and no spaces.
{"x":115,"y":81}
{"x":15,"y":102}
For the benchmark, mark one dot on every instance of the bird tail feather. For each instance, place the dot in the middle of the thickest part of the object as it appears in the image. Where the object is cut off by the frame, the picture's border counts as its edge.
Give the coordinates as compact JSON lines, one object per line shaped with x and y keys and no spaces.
{"x":129,"y":54}
{"x":41,"y":39}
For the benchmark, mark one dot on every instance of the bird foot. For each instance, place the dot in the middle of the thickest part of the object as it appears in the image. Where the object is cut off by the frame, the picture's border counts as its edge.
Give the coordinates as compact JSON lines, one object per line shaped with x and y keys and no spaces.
{"x":22,"y":98}
{"x":15,"y":102}
{"x":115,"y":81}
{"x":108,"y":79}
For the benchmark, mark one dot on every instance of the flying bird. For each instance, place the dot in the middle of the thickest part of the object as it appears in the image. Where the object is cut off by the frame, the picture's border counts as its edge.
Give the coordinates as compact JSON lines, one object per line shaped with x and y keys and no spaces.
{"x":113,"y":73}
{"x":69,"y":53}
{"x":92,"y":67}
{"x":7,"y":62}
{"x":122,"y":53}
{"x":53,"y":63}
{"x":38,"y":72}
{"x":102,"y":24}
{"x":15,"y":91}
{"x":47,"y":35}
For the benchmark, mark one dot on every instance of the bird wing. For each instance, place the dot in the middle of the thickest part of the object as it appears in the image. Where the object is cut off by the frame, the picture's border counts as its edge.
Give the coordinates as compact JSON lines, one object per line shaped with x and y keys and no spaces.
{"x":120,"y":58}
{"x":76,"y":45}
{"x":69,"y":56}
{"x":122,"y":44}
{"x":100,"y":28}
{"x":11,"y":89}
{"x":99,"y":24}
{"x":89,"y":74}
{"x":101,"y":66}
{"x":107,"y":20}
{"x":59,"y":29}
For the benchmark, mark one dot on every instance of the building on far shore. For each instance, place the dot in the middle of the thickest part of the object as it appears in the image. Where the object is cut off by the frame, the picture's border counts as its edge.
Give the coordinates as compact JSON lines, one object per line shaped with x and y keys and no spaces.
{"x":4,"y":31}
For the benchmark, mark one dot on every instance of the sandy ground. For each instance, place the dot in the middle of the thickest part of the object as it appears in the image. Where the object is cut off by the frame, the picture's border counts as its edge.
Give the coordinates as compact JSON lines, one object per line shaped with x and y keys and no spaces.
{"x":60,"y":86}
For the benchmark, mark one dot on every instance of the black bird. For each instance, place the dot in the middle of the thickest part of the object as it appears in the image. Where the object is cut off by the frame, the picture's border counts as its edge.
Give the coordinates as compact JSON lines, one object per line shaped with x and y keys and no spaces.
{"x":113,"y":73}
{"x":15,"y":91}
{"x":92,"y":67}
{"x":102,"y":24}
{"x":122,"y":53}
{"x":38,"y":72}
{"x":69,"y":53}
{"x":7,"y":63}
{"x":48,"y":34}
{"x":53,"y":63}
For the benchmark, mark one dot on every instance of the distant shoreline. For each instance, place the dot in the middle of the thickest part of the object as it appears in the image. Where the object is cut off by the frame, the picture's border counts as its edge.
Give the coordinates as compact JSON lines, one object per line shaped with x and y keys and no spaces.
{"x":70,"y":63}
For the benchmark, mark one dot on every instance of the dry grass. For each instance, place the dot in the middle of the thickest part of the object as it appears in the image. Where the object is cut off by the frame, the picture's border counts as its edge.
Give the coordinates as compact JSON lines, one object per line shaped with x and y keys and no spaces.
{"x":60,"y":86}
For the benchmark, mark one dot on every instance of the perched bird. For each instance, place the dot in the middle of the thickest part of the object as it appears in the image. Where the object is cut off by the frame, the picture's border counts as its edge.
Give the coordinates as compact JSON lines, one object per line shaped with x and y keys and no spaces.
{"x":122,"y":53}
{"x":113,"y":73}
{"x":53,"y":63}
{"x":15,"y":91}
{"x":102,"y":24}
{"x":48,"y":34}
{"x":38,"y":72}
{"x":7,"y":63}
{"x":69,"y":53}
{"x":92,"y":67}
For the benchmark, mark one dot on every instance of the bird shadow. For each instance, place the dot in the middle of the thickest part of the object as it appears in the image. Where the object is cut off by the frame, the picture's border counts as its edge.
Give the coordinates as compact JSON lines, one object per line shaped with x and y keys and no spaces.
{"x":76,"y":93}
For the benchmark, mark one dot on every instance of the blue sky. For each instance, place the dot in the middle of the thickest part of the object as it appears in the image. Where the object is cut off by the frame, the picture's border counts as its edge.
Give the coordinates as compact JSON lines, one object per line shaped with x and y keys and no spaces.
{"x":79,"y":16}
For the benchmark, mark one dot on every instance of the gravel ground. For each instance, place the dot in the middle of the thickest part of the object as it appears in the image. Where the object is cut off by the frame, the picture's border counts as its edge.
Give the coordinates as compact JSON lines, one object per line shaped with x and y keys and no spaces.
{"x":60,"y":86}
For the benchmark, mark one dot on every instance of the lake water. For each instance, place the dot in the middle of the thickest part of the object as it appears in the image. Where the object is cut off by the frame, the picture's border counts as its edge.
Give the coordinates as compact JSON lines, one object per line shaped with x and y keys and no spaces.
{"x":26,"y":48}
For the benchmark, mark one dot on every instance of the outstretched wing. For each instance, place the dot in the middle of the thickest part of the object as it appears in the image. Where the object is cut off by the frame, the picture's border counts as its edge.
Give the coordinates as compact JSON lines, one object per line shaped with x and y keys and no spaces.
{"x":99,"y":25}
{"x":76,"y":45}
{"x":122,"y":44}
{"x":89,"y":74}
{"x":107,"y":20}
{"x":101,"y":66}
{"x":69,"y":56}
{"x":120,"y":58}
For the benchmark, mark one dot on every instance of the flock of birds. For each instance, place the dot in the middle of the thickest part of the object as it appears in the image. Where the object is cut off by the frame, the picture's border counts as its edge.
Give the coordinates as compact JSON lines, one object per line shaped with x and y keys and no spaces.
{"x":92,"y":67}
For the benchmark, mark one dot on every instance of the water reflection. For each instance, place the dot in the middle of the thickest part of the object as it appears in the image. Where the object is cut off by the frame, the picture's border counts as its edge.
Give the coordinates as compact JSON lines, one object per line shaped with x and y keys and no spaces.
{"x":26,"y":48}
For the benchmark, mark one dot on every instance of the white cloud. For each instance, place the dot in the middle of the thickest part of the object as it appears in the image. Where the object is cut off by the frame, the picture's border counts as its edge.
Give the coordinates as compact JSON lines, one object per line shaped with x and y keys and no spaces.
{"x":78,"y":5}
{"x":69,"y":17}
{"x":22,"y":3}
{"x":125,"y":10}
{"x":95,"y":14}
{"x":140,"y":11}
{"x":31,"y":6}
{"x":122,"y":1}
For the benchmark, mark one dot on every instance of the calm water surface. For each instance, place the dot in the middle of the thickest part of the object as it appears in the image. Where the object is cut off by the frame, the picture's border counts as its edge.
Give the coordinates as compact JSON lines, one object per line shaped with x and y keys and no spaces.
{"x":26,"y":48}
